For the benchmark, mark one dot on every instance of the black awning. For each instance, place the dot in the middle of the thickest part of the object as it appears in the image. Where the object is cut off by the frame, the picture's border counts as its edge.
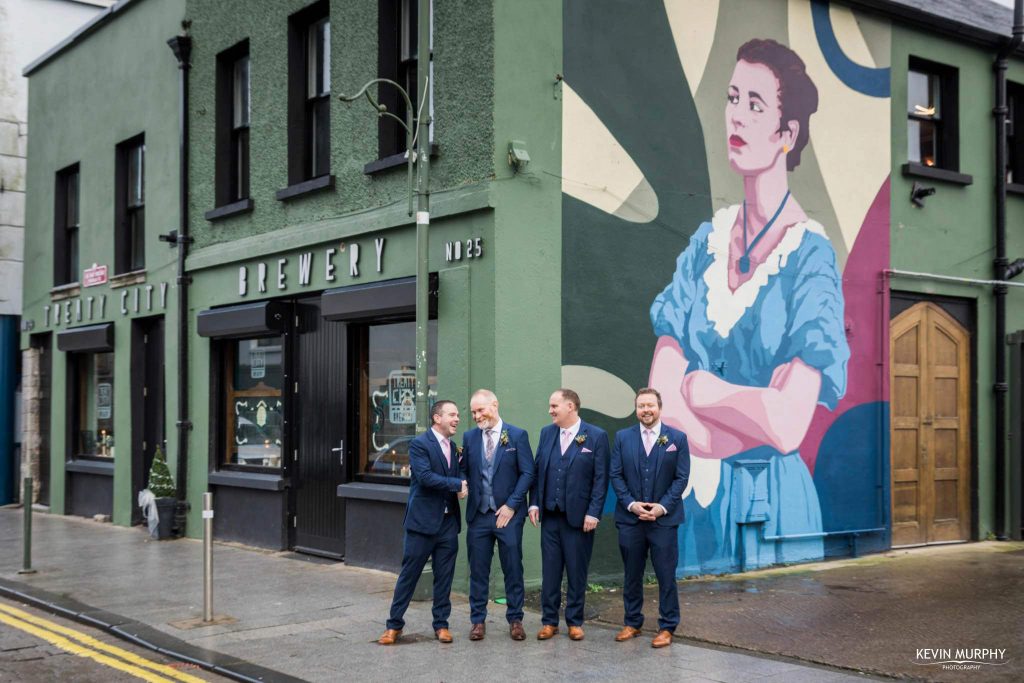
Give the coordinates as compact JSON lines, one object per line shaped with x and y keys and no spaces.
{"x":87,"y":338}
{"x":246,"y":320}
{"x":387,"y":299}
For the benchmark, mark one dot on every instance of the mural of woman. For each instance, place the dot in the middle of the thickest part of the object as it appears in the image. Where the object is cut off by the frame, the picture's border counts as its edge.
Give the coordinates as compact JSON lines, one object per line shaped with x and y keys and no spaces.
{"x":750,"y":331}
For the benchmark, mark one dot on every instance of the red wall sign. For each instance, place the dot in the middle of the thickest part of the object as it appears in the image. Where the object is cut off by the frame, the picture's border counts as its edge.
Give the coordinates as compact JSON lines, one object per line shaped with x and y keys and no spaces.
{"x":97,"y":275}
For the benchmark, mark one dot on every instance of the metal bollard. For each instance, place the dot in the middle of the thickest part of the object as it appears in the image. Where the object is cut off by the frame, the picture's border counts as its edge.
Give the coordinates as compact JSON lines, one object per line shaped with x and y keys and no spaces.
{"x":26,"y":562}
{"x":207,"y":557}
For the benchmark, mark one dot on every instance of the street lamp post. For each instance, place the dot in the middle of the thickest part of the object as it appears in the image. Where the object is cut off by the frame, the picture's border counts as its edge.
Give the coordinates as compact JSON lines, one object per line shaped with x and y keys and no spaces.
{"x":417,"y":137}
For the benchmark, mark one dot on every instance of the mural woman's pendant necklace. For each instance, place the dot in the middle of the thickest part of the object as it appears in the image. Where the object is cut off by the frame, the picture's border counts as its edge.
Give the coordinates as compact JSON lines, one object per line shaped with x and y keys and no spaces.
{"x":745,"y":259}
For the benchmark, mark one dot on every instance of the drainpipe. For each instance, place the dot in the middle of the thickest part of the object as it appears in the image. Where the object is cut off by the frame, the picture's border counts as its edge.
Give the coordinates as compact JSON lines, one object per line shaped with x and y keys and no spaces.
{"x":181,"y":45}
{"x":1000,"y":264}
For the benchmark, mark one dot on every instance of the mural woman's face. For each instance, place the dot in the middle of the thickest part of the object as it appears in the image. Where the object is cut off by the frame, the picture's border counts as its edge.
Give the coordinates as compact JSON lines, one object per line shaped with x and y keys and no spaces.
{"x":752,"y":115}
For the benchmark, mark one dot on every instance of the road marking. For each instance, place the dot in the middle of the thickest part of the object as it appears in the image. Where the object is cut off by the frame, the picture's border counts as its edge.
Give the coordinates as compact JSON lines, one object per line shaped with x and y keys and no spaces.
{"x":54,"y":634}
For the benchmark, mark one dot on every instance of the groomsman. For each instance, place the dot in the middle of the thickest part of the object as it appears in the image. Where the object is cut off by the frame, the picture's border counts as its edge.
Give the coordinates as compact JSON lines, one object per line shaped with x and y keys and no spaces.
{"x":497,"y":464}
{"x":567,"y":496}
{"x":432,"y":521}
{"x":649,"y":471}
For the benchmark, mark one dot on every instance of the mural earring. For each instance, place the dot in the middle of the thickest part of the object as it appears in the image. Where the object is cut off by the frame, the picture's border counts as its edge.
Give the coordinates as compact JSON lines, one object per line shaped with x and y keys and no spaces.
{"x":785,"y":149}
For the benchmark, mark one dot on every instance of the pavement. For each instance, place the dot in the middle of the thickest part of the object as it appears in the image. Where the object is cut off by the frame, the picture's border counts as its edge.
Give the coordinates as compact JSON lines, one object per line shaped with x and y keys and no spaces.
{"x":871,"y":613}
{"x":283,"y":616}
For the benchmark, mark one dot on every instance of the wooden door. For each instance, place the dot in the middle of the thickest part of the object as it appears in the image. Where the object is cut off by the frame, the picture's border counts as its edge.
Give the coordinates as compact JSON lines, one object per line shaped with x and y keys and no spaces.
{"x":930,"y":403}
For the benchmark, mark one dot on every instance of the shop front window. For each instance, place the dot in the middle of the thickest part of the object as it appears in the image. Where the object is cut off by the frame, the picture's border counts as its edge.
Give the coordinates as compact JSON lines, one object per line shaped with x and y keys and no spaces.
{"x":94,"y":409}
{"x":254,"y":406}
{"x":387,"y":397}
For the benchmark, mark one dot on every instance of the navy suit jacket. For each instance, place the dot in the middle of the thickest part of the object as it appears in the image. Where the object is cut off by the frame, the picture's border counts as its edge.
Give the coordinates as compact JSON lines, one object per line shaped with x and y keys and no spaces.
{"x":672,"y":472}
{"x":586,"y":482}
{"x":434,"y":485}
{"x":513,"y":469}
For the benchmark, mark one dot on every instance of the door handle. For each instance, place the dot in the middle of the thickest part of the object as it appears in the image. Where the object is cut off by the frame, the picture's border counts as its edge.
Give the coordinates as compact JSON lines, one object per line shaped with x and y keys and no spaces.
{"x":341,"y":451}
{"x":927,"y":420}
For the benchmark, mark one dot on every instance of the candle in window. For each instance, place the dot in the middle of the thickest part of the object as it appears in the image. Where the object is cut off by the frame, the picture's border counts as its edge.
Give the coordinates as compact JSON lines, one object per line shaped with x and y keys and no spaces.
{"x":103,"y":442}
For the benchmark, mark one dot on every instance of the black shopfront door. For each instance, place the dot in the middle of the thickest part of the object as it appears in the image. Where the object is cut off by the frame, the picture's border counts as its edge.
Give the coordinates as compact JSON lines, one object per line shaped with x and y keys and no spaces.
{"x":318,"y":431}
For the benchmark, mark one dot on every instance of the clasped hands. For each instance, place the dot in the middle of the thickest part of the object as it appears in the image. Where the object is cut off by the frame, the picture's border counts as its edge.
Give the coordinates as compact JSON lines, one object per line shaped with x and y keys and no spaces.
{"x":647,"y":512}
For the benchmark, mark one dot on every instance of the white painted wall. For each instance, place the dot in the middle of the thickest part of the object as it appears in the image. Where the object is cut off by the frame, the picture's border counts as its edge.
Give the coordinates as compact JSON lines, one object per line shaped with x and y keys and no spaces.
{"x":28,"y":28}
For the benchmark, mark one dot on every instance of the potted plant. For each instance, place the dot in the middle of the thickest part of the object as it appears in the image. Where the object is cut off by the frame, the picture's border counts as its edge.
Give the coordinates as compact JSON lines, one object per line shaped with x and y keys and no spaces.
{"x":162,"y":487}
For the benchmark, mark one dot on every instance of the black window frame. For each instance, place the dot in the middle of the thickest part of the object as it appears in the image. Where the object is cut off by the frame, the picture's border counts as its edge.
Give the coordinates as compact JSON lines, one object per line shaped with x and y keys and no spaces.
{"x":78,"y":363}
{"x":129,"y":211}
{"x":309,"y":115}
{"x":232,"y":143}
{"x":397,"y":59}
{"x":1015,"y":134}
{"x":66,"y":235}
{"x":947,"y":124}
{"x":222,"y":358}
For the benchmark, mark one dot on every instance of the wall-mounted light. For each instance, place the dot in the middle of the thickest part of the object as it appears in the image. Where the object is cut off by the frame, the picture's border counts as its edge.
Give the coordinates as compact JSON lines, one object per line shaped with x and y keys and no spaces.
{"x":518,"y":157}
{"x":918,"y":192}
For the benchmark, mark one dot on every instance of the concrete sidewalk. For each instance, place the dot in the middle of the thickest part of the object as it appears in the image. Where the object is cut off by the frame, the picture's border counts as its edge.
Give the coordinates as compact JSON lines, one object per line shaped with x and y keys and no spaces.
{"x":319,"y":621}
{"x":871,"y":613}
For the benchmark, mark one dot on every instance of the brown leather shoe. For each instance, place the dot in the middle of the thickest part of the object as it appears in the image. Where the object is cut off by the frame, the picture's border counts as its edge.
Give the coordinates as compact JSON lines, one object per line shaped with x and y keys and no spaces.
{"x":575,"y":633}
{"x":443,"y":635}
{"x":627,"y":633}
{"x":663,"y":639}
{"x":390,"y":637}
{"x":477,"y":632}
{"x":515,"y":631}
{"x":546,"y":632}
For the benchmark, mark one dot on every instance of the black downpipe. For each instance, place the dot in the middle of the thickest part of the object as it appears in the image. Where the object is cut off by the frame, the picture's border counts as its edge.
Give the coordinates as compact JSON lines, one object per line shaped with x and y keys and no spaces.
{"x":182,"y":47}
{"x":1000,"y":264}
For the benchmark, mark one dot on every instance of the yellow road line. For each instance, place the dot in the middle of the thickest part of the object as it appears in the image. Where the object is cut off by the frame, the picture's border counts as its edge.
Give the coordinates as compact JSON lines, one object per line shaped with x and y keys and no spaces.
{"x":55,"y":629}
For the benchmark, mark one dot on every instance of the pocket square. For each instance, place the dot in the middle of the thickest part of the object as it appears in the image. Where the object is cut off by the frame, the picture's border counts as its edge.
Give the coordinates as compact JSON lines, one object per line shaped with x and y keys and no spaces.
{"x":586,"y":450}
{"x":671,"y":448}
{"x":511,"y":450}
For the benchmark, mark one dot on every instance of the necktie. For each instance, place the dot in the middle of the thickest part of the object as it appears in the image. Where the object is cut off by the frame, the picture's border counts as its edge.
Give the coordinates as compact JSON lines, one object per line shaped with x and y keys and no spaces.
{"x":489,"y":446}
{"x":648,"y":440}
{"x":446,"y":448}
{"x":565,"y":440}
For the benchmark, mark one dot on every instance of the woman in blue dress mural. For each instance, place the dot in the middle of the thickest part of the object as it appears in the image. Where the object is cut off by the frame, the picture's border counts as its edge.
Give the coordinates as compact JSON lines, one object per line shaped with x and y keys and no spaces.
{"x":750,"y":331}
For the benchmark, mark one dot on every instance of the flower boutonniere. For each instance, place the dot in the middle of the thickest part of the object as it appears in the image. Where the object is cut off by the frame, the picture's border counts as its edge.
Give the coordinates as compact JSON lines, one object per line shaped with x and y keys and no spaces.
{"x":580,"y":439}
{"x":458,"y":451}
{"x":503,"y":440}
{"x":662,"y":440}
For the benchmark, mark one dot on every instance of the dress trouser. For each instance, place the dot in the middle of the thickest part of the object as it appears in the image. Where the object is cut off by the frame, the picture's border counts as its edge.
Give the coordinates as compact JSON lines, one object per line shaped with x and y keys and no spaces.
{"x":636,"y":542}
{"x":443,"y":546}
{"x":567,"y":549}
{"x":481,"y":535}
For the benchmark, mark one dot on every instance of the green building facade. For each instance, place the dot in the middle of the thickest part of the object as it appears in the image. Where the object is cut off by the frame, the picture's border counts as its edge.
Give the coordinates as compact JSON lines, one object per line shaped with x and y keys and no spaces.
{"x":838,"y":393}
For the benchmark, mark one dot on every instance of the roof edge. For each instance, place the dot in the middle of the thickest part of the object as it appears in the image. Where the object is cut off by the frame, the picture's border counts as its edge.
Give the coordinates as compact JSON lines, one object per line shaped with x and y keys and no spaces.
{"x":83,"y":32}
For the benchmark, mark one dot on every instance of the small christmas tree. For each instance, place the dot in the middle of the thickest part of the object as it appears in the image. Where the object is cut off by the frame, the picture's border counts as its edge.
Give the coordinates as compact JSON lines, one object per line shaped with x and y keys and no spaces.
{"x":160,"y":482}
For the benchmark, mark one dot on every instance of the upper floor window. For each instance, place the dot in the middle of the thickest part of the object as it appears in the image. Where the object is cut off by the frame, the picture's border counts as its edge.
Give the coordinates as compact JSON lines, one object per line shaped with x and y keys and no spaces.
{"x":309,"y":96}
{"x":65,"y":227}
{"x":1015,"y":133}
{"x":398,"y":47}
{"x":233,"y":116}
{"x":932,"y":130}
{"x":130,"y":205}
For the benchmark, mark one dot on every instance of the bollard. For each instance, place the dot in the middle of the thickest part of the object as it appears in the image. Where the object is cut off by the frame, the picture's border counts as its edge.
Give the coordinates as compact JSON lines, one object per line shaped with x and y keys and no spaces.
{"x":207,"y":556}
{"x":26,"y":508}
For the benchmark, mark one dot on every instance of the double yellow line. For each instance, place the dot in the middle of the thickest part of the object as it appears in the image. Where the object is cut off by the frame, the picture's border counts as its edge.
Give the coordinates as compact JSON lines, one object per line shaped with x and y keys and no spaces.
{"x":80,"y":644}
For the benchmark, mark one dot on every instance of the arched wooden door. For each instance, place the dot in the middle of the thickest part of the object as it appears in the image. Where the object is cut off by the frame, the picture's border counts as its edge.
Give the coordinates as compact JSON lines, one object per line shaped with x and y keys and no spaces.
{"x":930,"y":381}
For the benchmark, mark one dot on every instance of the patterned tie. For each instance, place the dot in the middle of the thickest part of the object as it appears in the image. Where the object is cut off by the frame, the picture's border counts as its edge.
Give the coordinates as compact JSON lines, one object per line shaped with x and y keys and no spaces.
{"x":566,"y":439}
{"x":489,"y":446}
{"x":648,"y":440}
{"x":446,"y":448}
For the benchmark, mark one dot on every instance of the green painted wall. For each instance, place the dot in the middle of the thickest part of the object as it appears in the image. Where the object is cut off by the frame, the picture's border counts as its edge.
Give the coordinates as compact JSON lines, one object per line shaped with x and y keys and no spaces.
{"x":954,"y":234}
{"x":463,"y":63}
{"x":116,"y":83}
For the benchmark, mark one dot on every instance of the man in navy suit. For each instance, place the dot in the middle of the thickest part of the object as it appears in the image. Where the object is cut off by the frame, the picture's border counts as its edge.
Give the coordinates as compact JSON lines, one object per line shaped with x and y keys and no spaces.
{"x":497,"y":464}
{"x":567,"y":496}
{"x":432,"y":521}
{"x":649,"y":471}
